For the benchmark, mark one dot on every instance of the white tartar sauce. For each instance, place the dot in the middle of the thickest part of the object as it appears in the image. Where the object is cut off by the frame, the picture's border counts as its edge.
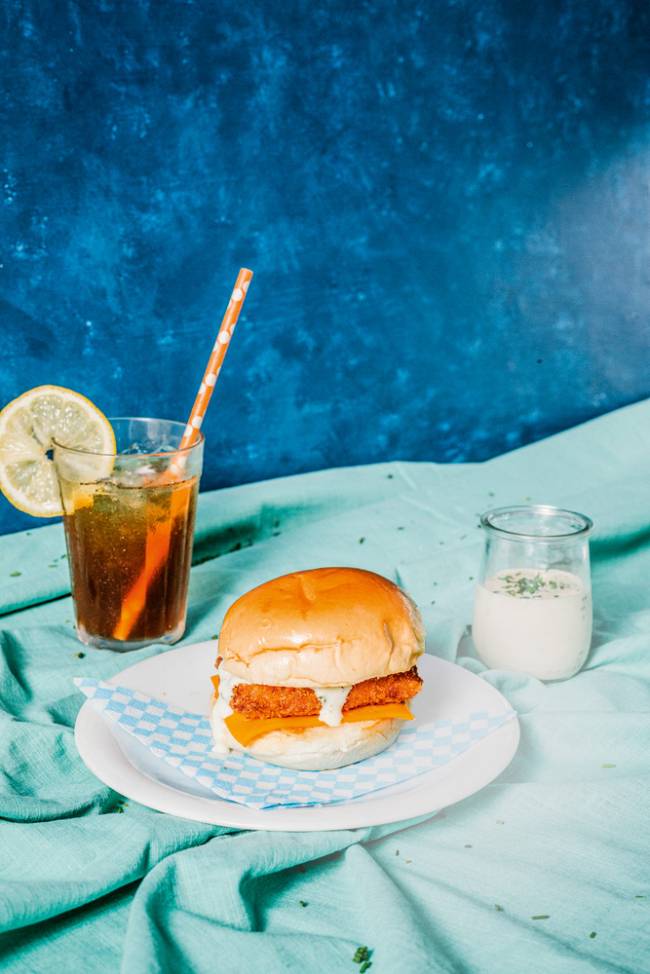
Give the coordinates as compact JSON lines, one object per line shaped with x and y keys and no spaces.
{"x":535,"y":621}
{"x":331,"y":701}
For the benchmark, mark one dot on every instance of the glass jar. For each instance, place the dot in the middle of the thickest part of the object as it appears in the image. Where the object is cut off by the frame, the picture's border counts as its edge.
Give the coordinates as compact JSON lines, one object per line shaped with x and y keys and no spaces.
{"x":533,"y":610}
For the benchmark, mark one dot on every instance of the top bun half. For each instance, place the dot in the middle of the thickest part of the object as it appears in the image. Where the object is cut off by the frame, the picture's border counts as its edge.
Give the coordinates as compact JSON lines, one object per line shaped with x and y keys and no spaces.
{"x":321,"y":628}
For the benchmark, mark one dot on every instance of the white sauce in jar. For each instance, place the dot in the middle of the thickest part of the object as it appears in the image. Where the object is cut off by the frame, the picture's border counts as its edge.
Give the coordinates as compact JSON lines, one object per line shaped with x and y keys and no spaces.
{"x":534,"y":621}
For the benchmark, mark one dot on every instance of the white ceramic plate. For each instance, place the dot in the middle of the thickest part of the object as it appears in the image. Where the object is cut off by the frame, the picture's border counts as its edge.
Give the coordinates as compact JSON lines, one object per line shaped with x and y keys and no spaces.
{"x":181,"y":677}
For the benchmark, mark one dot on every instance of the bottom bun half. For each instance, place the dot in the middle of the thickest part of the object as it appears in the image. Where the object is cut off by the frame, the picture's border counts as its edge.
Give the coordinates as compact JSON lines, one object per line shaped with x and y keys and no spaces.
{"x":315,"y":748}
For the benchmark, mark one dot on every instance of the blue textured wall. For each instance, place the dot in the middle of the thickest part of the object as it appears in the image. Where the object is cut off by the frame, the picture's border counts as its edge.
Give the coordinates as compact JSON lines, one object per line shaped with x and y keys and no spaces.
{"x":446,"y":205}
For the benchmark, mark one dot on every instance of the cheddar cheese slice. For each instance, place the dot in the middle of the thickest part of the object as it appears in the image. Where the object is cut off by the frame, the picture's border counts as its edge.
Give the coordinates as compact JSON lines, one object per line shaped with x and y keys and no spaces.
{"x":245,"y":730}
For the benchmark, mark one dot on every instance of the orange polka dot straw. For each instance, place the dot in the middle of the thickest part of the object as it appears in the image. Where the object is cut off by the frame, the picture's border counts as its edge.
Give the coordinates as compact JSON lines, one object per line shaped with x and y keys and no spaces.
{"x":217,"y":356}
{"x":158,"y":538}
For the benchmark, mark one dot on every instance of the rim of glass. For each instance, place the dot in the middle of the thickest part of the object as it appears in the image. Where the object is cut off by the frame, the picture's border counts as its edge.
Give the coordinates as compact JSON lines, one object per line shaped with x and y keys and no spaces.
{"x":544,"y":510}
{"x":137,"y":419}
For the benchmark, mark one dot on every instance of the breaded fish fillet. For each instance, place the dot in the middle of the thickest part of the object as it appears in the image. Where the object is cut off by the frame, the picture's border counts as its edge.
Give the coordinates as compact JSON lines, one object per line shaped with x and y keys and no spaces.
{"x":257,"y":701}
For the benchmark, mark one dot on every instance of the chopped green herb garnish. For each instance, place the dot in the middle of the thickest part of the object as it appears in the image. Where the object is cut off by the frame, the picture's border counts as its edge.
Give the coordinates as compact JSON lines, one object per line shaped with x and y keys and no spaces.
{"x":498,"y":908}
{"x":361,"y":540}
{"x":541,"y":916}
{"x":467,"y":845}
{"x":530,"y":586}
{"x":80,"y":655}
{"x":640,"y":897}
{"x":303,"y":902}
{"x":14,"y":574}
{"x":608,"y":765}
{"x":592,"y":935}
{"x":389,"y":476}
{"x":362,"y":957}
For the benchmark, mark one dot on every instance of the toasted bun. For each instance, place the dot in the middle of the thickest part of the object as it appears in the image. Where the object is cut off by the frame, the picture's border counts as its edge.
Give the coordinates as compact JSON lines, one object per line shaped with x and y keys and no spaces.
{"x":316,"y":748}
{"x":321,"y":628}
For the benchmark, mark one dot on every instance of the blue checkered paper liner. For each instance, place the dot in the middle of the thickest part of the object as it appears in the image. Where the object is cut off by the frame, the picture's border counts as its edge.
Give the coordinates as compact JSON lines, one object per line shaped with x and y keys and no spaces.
{"x":184,"y":741}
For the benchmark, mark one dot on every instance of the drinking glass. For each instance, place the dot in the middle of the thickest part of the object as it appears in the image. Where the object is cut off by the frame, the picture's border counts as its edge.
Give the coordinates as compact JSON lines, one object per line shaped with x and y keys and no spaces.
{"x":533,"y":608}
{"x":129,"y":527}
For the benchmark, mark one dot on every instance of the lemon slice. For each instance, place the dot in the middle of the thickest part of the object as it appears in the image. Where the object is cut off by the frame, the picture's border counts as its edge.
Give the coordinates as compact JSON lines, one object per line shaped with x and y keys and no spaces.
{"x":29,"y":427}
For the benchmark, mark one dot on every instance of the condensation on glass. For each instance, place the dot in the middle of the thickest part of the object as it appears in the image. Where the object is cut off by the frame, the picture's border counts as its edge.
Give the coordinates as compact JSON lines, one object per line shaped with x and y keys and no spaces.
{"x":129,"y":526}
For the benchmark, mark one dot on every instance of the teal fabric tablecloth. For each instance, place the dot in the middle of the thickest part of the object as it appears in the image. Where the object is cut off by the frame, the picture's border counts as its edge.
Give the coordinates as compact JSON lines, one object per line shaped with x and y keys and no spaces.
{"x":546,"y":870}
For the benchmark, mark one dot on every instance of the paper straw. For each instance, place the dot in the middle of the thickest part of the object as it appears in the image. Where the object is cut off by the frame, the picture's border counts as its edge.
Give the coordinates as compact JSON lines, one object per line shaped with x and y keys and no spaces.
{"x":158,"y":540}
{"x":215,"y":362}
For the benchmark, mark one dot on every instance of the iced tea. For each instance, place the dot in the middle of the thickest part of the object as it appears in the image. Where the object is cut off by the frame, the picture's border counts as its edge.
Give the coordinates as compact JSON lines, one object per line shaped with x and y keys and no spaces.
{"x":129,"y":535}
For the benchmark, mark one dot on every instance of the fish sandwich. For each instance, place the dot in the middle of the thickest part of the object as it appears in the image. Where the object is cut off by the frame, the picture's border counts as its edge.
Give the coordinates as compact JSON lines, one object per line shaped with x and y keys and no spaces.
{"x":315,"y":669}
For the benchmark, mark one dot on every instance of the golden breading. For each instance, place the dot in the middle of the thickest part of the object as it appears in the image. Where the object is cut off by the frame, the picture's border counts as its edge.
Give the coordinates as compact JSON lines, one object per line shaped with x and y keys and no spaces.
{"x":256,"y":701}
